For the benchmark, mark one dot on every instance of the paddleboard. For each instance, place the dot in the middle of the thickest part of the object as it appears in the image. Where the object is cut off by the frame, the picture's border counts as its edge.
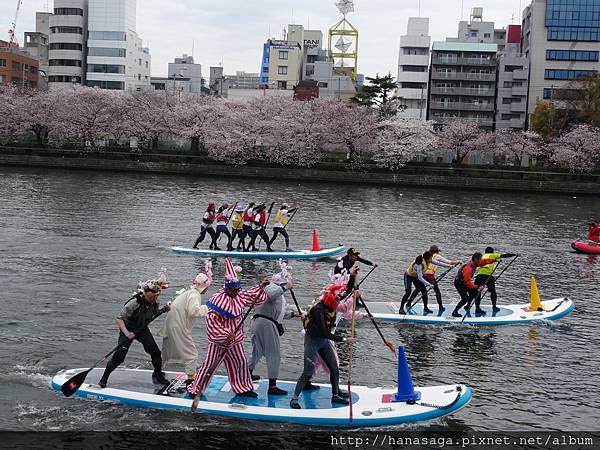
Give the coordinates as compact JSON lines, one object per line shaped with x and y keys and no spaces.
{"x":371,"y":406}
{"x":297,"y":254}
{"x":508,"y":314}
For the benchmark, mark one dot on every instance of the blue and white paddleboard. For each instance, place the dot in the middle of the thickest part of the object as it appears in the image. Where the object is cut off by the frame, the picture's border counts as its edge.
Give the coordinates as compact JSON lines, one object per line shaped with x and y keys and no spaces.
{"x":298,"y":254}
{"x":371,"y":406}
{"x":508,"y":314}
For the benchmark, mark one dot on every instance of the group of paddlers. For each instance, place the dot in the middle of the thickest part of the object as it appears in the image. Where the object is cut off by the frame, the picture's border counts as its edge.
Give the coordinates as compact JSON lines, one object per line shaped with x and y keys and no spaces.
{"x":247,"y":224}
{"x":472,"y":278}
{"x":224,"y":313}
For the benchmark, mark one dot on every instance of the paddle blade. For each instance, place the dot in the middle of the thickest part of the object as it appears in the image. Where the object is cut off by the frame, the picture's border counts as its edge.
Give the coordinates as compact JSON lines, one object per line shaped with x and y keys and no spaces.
{"x":195,"y":403}
{"x":391,"y":346}
{"x":70,"y":386}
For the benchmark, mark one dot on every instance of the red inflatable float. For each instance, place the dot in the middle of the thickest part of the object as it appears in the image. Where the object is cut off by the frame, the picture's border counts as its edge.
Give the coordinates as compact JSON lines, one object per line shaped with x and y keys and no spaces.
{"x":586,"y":247}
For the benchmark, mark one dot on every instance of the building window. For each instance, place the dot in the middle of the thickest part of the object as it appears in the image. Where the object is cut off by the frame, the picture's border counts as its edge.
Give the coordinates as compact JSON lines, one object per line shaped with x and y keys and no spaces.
{"x":2,"y":79}
{"x":140,"y":62}
{"x":516,"y":100}
{"x":506,"y":101}
{"x":65,"y":46}
{"x":283,"y":54}
{"x":414,"y":69}
{"x":67,"y":30}
{"x":487,"y":35}
{"x":107,"y":36}
{"x":587,"y":34}
{"x":105,"y":68}
{"x":16,"y":65}
{"x":111,"y":52}
{"x":282,"y":70}
{"x":473,"y":33}
{"x":282,"y":85}
{"x":323,"y":84}
{"x":68,"y":12}
{"x":146,"y":64}
{"x":2,"y":63}
{"x":508,"y":68}
{"x":571,"y":55}
{"x":115,"y":85}
{"x":65,"y":62}
{"x":63,"y":79}
{"x":555,"y":74}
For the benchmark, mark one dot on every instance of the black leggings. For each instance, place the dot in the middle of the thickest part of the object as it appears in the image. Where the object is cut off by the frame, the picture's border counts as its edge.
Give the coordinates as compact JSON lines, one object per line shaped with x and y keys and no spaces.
{"x":203,"y":230}
{"x":419,"y":288}
{"x":238,"y":233}
{"x":280,"y":230}
{"x":490,"y":282}
{"x":150,"y":347}
{"x":466,"y":295}
{"x":222,"y":229}
{"x":314,"y":346}
{"x":264,"y":236}
{"x":436,"y":289}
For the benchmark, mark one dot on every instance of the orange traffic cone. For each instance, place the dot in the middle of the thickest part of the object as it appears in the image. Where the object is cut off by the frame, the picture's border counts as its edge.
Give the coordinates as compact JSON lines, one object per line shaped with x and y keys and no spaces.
{"x":315,"y":243}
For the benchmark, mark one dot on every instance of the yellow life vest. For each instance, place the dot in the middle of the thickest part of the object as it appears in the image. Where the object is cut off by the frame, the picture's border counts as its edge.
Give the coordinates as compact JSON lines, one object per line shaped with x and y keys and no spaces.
{"x":431,"y":269}
{"x":237,"y":221}
{"x":411,"y":271}
{"x":278,"y":218}
{"x":488,"y":269}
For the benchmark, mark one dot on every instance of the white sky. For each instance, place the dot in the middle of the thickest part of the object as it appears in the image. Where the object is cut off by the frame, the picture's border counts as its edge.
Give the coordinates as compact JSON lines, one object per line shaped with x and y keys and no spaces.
{"x":233,"y":31}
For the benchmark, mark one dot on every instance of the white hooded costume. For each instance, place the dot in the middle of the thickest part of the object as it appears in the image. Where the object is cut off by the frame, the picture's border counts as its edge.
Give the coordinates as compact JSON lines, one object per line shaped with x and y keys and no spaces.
{"x":178,"y":344}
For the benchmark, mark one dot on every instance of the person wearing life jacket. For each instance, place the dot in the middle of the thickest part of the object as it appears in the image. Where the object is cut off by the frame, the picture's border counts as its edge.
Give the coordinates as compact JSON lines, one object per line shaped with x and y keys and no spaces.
{"x":463,"y":282}
{"x":484,"y":277}
{"x":258,"y":228}
{"x":281,"y":220}
{"x":432,"y":269}
{"x":318,"y":323}
{"x":594,"y":232}
{"x":267,"y":327}
{"x":132,"y":322}
{"x":206,"y":227}
{"x":225,"y":339}
{"x":237,"y":228}
{"x":347,"y":262}
{"x":222,"y":219}
{"x":247,"y":223}
{"x":414,"y":276}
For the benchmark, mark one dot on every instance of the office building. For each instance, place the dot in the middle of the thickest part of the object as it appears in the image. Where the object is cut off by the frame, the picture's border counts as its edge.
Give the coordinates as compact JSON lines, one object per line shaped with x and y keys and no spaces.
{"x":413,"y":68}
{"x":463,"y":82}
{"x":561,"y":39}
{"x":17,"y":67}
{"x":37,"y":43}
{"x":185,"y":67}
{"x":243,"y":80}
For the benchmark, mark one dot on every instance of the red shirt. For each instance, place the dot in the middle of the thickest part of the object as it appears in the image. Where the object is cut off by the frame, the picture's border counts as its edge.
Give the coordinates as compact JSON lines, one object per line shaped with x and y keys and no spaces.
{"x":468,"y":270}
{"x":594,"y":233}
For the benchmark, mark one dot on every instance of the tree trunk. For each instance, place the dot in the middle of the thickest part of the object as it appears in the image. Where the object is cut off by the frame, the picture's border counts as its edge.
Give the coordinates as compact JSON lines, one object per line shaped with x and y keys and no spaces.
{"x":195,"y":144}
{"x":154,"y":143}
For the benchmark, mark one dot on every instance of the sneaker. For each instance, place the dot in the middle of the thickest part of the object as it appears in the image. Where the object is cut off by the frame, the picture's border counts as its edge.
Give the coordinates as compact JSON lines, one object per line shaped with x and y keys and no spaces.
{"x":441,"y":309}
{"x":310,"y":387}
{"x":102,"y":383}
{"x":294,"y":404}
{"x":249,"y":393}
{"x":427,"y":310}
{"x":255,"y":377}
{"x":289,"y":250}
{"x":343,"y":394}
{"x":160,"y":379}
{"x":195,"y":247}
{"x":274,"y":390}
{"x":269,"y":249}
{"x":455,"y":313}
{"x":480,"y":312}
{"x":495,"y":309}
{"x":217,"y":248}
{"x":339,"y":400}
{"x":229,"y":249}
{"x":401,"y":311}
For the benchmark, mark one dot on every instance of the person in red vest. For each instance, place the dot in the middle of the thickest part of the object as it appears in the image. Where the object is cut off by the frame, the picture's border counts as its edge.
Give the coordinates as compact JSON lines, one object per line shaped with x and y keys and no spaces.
{"x":222,"y":219}
{"x":464,"y":284}
{"x":247,"y":225}
{"x":258,"y":229}
{"x":594,"y":232}
{"x":206,"y":227}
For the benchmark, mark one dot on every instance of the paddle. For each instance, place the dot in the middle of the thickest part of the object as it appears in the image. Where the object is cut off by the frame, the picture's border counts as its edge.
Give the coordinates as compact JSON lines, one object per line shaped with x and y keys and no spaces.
{"x":296,"y":302}
{"x":387,"y":343}
{"x":208,"y":375}
{"x":350,"y":347}
{"x":358,"y":285}
{"x":264,"y":227}
{"x":437,"y":280}
{"x":291,"y":217}
{"x":71,"y":386}
{"x":229,"y":218}
{"x":499,"y":275}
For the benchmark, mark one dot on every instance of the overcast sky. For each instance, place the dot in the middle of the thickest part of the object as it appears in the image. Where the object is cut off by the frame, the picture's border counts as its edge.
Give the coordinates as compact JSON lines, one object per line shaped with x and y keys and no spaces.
{"x":232,"y":31}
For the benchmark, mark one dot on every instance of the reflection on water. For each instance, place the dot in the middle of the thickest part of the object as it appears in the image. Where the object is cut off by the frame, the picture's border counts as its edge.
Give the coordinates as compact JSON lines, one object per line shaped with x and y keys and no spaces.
{"x":93,"y":236}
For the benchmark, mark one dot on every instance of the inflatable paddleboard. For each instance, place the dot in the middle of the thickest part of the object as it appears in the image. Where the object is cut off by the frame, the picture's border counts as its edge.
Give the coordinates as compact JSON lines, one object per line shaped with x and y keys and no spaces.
{"x":371,"y":406}
{"x":586,"y":247}
{"x":299,"y":254}
{"x":508,"y":314}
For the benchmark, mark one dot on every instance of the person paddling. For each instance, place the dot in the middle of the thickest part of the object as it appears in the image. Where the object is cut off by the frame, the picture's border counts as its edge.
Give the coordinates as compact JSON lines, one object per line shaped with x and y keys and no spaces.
{"x":222,"y":219}
{"x":415,"y":276}
{"x":136,"y":312}
{"x":281,"y":219}
{"x":465,"y":286}
{"x":594,"y":232}
{"x":207,"y":221}
{"x":247,"y":224}
{"x":258,"y":228}
{"x":178,"y":342}
{"x":484,"y":277}
{"x":347,"y":262}
{"x":237,"y":227}
{"x":225,"y":312}
{"x":431,"y":272}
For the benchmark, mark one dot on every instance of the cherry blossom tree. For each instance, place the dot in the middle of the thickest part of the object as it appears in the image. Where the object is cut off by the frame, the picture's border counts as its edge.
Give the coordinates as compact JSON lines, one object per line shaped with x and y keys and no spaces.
{"x":464,"y":137}
{"x":149,"y":116}
{"x":399,"y":141}
{"x":517,"y":144}
{"x":194,"y":118}
{"x":578,"y":149}
{"x":10,"y":113}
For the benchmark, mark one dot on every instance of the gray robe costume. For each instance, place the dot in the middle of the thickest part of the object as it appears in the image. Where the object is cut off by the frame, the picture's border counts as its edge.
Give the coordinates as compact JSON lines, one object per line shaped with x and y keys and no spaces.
{"x":265,"y":338}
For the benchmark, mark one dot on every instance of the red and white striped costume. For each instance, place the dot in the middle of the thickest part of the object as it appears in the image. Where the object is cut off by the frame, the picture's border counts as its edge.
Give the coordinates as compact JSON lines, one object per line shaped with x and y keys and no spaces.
{"x":225,"y":313}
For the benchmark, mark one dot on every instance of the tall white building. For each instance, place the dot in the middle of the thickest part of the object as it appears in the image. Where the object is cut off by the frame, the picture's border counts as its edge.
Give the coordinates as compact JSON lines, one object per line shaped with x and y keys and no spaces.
{"x":66,"y":54}
{"x":116,"y":58}
{"x":413,"y":68}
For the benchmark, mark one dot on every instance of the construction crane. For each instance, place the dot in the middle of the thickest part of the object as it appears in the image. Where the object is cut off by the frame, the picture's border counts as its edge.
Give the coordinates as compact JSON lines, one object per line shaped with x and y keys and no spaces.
{"x":12,"y":32}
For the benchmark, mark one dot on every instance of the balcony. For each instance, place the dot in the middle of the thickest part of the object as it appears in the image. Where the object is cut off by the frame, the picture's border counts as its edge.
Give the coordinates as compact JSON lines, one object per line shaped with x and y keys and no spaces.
{"x":463,"y":61}
{"x":487,"y":122}
{"x":519,"y":74}
{"x":464,"y":91}
{"x":462,"y":106}
{"x":463,"y":76}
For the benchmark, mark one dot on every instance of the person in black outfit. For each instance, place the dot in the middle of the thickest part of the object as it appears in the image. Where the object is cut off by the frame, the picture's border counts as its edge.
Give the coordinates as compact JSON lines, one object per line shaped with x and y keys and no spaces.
{"x":348,"y":261}
{"x":132,"y":320}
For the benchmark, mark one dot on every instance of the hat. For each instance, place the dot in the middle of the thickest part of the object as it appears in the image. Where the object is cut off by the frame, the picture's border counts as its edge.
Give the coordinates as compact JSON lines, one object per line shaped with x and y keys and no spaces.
{"x":156,"y":284}
{"x":434,"y":249}
{"x":211,"y":203}
{"x":353,"y":251}
{"x":204,"y":277}
{"x":329,"y":300}
{"x":284,"y":275}
{"x":239,"y":208}
{"x":285,"y":205}
{"x":231,"y":277}
{"x":225,"y":205}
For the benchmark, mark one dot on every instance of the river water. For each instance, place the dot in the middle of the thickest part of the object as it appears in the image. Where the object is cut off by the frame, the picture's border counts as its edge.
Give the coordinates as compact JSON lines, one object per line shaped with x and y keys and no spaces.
{"x":74,"y":244}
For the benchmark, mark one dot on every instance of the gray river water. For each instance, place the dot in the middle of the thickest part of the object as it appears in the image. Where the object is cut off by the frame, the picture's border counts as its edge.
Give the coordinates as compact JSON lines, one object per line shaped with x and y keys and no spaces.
{"x":73,"y":246}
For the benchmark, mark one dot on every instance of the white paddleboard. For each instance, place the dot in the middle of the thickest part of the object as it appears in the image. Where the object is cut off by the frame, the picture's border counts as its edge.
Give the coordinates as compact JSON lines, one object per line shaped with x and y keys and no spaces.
{"x":297,"y":254}
{"x":508,"y":314}
{"x":371,"y":406}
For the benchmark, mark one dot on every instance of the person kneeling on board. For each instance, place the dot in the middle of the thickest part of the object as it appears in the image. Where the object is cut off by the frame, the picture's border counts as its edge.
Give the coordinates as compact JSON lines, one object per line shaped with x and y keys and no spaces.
{"x":225,"y":312}
{"x":465,"y":286}
{"x":431,"y":272}
{"x":347,"y":262}
{"x":267,"y":328}
{"x":137,"y":312}
{"x":178,"y":343}
{"x":281,"y":220}
{"x":484,"y":277}
{"x":318,"y":323}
